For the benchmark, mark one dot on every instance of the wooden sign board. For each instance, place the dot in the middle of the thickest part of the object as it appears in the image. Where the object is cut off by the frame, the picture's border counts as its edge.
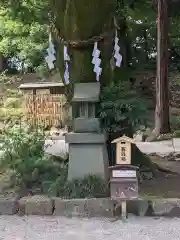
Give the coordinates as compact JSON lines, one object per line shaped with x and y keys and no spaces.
{"x":124,"y":173}
{"x":123,"y":150}
{"x":121,"y":190}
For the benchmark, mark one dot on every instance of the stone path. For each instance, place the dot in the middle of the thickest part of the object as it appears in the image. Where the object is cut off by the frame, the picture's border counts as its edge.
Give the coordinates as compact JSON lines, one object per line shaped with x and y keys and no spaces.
{"x":59,"y":147}
{"x":59,"y":228}
{"x":161,"y":148}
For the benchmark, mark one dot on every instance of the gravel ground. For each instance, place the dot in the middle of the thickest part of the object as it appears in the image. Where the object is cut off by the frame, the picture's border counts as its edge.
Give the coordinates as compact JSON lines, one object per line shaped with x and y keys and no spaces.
{"x":60,"y":228}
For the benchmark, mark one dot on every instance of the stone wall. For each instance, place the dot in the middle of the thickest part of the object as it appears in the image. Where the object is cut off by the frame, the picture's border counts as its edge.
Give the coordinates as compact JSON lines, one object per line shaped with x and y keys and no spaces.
{"x":94,"y":207}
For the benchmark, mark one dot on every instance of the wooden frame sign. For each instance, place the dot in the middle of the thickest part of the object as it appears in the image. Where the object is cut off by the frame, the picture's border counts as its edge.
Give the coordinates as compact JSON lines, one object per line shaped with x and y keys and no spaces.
{"x":123,"y":150}
{"x":124,"y":174}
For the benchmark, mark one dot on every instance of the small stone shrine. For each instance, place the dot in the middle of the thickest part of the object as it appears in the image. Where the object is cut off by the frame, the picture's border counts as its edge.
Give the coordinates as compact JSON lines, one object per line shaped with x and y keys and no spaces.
{"x":87,"y":145}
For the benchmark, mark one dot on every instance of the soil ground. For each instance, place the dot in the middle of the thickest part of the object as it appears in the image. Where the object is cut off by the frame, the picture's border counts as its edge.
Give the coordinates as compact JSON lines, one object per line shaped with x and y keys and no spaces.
{"x":163,"y":185}
{"x":165,"y":155}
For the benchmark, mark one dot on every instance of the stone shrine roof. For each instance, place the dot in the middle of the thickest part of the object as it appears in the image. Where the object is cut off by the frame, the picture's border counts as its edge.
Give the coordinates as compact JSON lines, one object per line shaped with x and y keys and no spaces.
{"x":86,"y":92}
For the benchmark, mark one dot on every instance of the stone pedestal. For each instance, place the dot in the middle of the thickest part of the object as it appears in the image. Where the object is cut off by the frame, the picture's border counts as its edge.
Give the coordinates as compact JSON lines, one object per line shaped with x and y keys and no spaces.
{"x":87,"y":155}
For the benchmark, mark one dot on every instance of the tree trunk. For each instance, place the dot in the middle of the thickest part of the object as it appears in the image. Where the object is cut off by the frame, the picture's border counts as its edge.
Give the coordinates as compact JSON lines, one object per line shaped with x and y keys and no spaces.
{"x":125,"y":43}
{"x":146,"y":58}
{"x":3,"y":63}
{"x":162,"y":124}
{"x":78,"y":20}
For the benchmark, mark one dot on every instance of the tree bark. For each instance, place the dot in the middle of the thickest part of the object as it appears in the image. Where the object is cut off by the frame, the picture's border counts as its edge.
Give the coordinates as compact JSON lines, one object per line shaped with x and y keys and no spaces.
{"x":81,"y":20}
{"x":146,"y":58}
{"x":3,"y":63}
{"x":162,"y":124}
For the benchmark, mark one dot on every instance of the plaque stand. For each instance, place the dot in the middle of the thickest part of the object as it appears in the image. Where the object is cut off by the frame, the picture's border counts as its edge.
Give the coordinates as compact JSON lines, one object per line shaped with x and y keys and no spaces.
{"x":124,"y":215}
{"x":123,"y":210}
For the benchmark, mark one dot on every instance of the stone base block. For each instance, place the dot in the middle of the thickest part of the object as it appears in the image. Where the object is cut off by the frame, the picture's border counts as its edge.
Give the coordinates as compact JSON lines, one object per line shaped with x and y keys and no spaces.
{"x":84,"y":207}
{"x":8,"y":205}
{"x":85,"y":138}
{"x":69,"y":208}
{"x":87,"y":159}
{"x":166,"y":207}
{"x":100,"y":207}
{"x":36,"y":205}
{"x":86,"y":125}
{"x":139,"y":207}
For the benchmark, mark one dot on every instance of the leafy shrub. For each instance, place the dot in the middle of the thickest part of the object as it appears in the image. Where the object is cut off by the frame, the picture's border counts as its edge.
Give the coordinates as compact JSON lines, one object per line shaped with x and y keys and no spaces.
{"x":42,"y":70}
{"x":4,"y":78}
{"x":176,"y":133}
{"x":11,"y":109}
{"x":10,"y":114}
{"x":13,"y":93}
{"x":120,"y":106}
{"x":23,"y":154}
{"x":175,"y":126}
{"x":13,"y":102}
{"x":8,"y":79}
{"x":90,"y":186}
{"x":175,"y":123}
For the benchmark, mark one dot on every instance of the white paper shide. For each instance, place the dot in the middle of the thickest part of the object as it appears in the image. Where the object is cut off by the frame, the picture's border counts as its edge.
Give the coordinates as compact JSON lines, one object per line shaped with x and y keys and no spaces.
{"x":117,"y":55}
{"x":96,"y":61}
{"x":66,"y":60}
{"x":51,"y":54}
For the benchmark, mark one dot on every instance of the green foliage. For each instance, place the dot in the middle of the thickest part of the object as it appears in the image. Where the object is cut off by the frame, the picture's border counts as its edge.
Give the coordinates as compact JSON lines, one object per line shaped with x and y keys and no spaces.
{"x":11,"y":107}
{"x":13,"y":93}
{"x":90,"y":186}
{"x":7,"y":79}
{"x":42,"y":70}
{"x":175,"y":123}
{"x":18,"y":143}
{"x":13,"y":103}
{"x":137,"y":19}
{"x":175,"y":126}
{"x":27,"y":11}
{"x":4,"y":78}
{"x":10,"y":114}
{"x":120,"y":107}
{"x":23,"y":154}
{"x":24,"y":25}
{"x":177,"y":133}
{"x":24,"y":31}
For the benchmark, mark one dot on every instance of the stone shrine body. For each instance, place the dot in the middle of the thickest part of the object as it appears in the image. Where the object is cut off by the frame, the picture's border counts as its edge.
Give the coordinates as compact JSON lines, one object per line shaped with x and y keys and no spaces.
{"x":87,"y":145}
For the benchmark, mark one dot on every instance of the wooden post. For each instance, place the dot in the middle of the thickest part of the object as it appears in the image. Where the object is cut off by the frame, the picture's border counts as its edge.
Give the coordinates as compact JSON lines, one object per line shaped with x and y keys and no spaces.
{"x":162,"y":124}
{"x":123,"y":210}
